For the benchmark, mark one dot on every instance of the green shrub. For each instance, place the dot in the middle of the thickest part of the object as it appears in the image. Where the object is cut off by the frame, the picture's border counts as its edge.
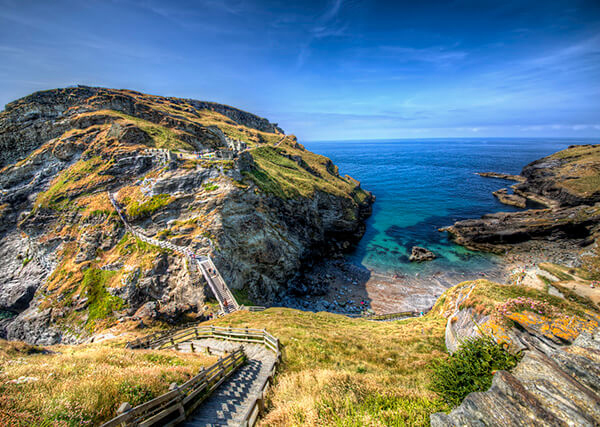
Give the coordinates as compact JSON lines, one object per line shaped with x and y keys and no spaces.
{"x":470,"y":369}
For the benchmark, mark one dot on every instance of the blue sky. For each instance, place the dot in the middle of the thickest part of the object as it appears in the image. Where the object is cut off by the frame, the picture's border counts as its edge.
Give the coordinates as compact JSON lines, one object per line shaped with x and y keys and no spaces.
{"x":330,"y":69}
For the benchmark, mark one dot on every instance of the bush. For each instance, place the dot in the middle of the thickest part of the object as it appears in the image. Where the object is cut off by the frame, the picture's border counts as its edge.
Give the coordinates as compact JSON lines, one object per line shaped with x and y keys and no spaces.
{"x":470,"y":369}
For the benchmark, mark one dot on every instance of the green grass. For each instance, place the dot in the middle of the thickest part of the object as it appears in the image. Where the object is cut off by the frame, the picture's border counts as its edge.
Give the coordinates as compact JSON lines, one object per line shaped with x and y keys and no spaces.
{"x":136,"y":210}
{"x":283,"y":177}
{"x":101,"y":304}
{"x":84,"y":384}
{"x":349,"y":372}
{"x":82,"y":172}
{"x":162,"y":137}
{"x":575,"y":298}
{"x":129,"y":244}
{"x":556,"y":271}
{"x":486,"y":295}
{"x":242,"y":298}
{"x":210,"y":187}
{"x":580,"y":171}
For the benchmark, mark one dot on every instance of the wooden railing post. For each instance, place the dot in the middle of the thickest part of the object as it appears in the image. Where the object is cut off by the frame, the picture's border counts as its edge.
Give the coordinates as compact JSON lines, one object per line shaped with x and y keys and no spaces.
{"x":125,"y":407}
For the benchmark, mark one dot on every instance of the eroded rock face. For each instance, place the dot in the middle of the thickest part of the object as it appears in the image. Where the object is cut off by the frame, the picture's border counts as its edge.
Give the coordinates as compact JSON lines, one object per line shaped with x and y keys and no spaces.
{"x":66,"y":263}
{"x":495,"y":232}
{"x":552,"y":385}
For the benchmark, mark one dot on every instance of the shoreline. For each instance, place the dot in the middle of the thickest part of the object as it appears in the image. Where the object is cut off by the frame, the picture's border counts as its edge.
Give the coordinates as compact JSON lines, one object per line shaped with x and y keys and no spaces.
{"x":350,"y":289}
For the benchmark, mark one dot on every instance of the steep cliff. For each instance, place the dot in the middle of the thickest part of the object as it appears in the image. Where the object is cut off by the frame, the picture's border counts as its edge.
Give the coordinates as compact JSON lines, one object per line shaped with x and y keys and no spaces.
{"x":217,"y":179}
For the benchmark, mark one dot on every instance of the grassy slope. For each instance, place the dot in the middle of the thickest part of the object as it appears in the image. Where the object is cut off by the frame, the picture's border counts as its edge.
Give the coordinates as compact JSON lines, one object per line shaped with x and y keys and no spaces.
{"x":279,"y":175}
{"x":580,"y":174}
{"x":342,"y":371}
{"x":84,"y":384}
{"x":335,"y":371}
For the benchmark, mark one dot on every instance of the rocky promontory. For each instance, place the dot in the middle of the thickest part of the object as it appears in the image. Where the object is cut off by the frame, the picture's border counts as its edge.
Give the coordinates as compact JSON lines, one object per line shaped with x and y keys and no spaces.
{"x":568,"y":182}
{"x":219,"y":180}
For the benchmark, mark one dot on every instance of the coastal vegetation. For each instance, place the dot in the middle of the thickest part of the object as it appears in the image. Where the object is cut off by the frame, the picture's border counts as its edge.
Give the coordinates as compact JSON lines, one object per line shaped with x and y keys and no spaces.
{"x":84,"y":384}
{"x":471,"y":368}
{"x":290,"y":171}
{"x":336,"y":370}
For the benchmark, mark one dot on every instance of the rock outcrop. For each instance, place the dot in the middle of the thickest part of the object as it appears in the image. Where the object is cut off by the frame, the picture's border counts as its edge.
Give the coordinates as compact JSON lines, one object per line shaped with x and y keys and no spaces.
{"x":510,"y":199}
{"x":552,"y":385}
{"x":557,"y":381}
{"x":222,"y":181}
{"x":419,"y":254}
{"x":568,"y":182}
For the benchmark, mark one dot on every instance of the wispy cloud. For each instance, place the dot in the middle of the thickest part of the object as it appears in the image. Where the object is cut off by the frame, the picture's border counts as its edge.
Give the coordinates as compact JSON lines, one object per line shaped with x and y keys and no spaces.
{"x":326,"y":25}
{"x":438,"y":55}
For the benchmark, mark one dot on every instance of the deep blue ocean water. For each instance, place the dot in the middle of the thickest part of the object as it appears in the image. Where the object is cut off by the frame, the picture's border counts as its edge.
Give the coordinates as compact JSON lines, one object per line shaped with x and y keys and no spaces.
{"x":422,"y":185}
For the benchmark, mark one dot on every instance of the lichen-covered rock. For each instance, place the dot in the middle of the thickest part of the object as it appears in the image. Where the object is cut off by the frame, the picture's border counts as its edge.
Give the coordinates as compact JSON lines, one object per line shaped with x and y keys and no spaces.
{"x":552,"y":385}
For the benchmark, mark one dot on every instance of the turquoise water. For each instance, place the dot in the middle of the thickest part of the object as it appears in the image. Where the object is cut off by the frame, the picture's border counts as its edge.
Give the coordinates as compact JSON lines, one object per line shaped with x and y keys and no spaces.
{"x":422,"y":185}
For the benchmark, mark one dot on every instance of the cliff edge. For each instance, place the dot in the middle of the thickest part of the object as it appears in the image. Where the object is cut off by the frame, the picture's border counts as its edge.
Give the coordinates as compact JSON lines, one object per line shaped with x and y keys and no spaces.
{"x":219,"y":180}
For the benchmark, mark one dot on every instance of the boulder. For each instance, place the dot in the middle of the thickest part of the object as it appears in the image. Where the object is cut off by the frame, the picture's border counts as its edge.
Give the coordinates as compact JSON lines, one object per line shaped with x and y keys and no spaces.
{"x":419,"y":254}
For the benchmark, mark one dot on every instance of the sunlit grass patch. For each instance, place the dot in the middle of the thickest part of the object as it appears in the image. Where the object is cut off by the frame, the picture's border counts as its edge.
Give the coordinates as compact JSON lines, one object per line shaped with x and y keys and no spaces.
{"x":342,"y":371}
{"x":85,"y":384}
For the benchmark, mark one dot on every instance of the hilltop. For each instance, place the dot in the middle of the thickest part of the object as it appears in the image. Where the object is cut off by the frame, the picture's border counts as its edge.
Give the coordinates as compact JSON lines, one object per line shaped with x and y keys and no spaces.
{"x":566,"y":187}
{"x":214,"y":178}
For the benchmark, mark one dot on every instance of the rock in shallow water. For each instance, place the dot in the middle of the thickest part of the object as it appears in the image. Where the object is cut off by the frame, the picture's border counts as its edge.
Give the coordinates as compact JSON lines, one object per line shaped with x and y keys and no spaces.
{"x":419,"y":254}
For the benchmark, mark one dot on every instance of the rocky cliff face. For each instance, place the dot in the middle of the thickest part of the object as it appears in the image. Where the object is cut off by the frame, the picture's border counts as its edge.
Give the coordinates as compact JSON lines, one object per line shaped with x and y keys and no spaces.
{"x":553,"y":385}
{"x":556,"y":382}
{"x":568,"y":182}
{"x":256,"y":201}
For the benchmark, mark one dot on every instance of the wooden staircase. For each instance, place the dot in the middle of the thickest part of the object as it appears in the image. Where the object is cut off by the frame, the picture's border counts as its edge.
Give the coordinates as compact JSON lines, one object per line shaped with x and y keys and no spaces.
{"x":211,"y":274}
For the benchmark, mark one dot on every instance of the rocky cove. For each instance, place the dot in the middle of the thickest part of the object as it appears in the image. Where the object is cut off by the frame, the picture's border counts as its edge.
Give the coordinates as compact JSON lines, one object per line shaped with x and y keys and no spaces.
{"x":278,"y":219}
{"x":532,"y":243}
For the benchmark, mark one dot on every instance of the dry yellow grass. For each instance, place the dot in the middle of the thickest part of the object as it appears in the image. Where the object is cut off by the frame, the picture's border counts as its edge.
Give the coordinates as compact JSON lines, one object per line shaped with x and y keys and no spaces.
{"x":85,"y":384}
{"x":580,"y":174}
{"x":342,"y":371}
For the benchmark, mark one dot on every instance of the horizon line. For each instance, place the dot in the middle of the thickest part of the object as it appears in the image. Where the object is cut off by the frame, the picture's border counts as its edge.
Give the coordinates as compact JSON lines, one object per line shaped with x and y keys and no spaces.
{"x":453,"y":137}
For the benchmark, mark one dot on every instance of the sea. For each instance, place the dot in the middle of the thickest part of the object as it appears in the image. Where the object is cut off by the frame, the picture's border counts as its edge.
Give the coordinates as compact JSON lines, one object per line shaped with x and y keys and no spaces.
{"x":422,"y":185}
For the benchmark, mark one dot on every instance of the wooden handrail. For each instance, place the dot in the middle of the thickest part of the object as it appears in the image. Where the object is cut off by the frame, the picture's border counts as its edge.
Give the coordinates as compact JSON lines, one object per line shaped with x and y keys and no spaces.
{"x":175,"y":405}
{"x":173,"y":339}
{"x":224,"y":296}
